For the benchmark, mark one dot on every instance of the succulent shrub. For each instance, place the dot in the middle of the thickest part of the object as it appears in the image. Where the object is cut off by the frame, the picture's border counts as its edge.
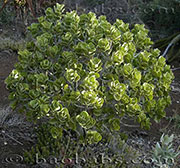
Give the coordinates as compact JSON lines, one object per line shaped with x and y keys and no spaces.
{"x":84,"y":74}
{"x":70,"y":152}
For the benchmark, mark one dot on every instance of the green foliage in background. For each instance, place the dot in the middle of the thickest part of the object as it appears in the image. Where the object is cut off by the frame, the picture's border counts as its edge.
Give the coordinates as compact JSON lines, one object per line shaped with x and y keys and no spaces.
{"x":83,"y":74}
{"x":161,"y":15}
{"x":7,"y":15}
{"x":94,"y":2}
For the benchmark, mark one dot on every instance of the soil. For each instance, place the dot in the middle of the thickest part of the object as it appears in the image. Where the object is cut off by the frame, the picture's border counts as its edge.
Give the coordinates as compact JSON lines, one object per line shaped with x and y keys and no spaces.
{"x":16,"y":134}
{"x":7,"y":61}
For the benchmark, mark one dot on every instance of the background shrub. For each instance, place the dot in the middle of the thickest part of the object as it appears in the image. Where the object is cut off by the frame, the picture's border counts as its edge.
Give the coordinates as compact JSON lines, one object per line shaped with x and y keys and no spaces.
{"x":163,"y":15}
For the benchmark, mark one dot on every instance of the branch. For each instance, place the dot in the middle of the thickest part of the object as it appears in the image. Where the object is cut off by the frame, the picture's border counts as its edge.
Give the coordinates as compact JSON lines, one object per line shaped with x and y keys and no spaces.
{"x":11,"y":137}
{"x":30,"y":5}
{"x":173,"y":41}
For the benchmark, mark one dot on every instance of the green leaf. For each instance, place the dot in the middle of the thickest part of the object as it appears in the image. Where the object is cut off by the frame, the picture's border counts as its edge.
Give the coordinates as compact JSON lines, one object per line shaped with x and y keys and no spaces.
{"x":90,"y":82}
{"x":117,"y":96}
{"x":125,"y":99}
{"x":161,"y":61}
{"x":75,"y":95}
{"x":166,"y":139}
{"x":53,"y":121}
{"x":56,"y":132}
{"x":42,"y":42}
{"x":85,"y":120}
{"x":83,"y":48}
{"x":63,"y":115}
{"x":34,"y":104}
{"x":115,"y":124}
{"x":49,"y":13}
{"x":34,"y":28}
{"x":33,"y":93}
{"x":24,"y":55}
{"x":148,"y":90}
{"x":45,"y":108}
{"x":127,"y":37}
{"x":46,"y":25}
{"x":99,"y":102}
{"x":115,"y":86}
{"x":22,"y":87}
{"x":67,"y":37}
{"x":104,"y":44}
{"x":45,"y":64}
{"x":53,"y":51}
{"x":121,"y":25}
{"x":41,"y":78}
{"x":72,"y":75}
{"x":137,"y":75}
{"x":95,"y":65}
{"x":127,"y":69}
{"x":97,"y":112}
{"x":58,"y":9}
{"x":118,"y":56}
{"x":93,"y":136}
{"x":12,"y":96}
{"x":13,"y":104}
{"x":71,"y":124}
